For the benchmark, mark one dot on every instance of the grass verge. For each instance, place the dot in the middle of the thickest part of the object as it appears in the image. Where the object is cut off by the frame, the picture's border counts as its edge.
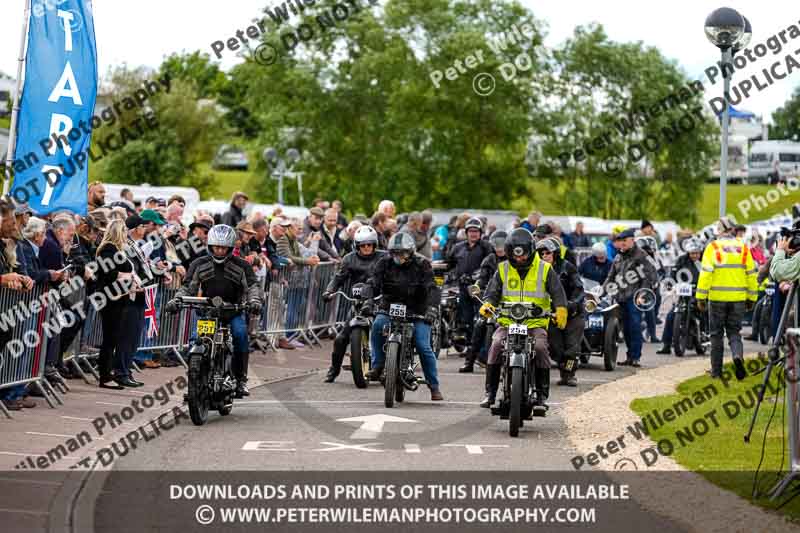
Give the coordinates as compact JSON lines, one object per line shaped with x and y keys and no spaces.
{"x":708,"y":438}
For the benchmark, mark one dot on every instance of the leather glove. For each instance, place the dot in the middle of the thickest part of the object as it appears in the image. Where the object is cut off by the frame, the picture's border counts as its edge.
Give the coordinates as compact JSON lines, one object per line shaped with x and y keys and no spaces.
{"x":172,"y":306}
{"x":327,"y":296}
{"x":749,"y":305}
{"x":487,"y":310}
{"x":701,"y":305}
{"x":431,"y":315}
{"x":561,"y":317}
{"x":254,"y":308}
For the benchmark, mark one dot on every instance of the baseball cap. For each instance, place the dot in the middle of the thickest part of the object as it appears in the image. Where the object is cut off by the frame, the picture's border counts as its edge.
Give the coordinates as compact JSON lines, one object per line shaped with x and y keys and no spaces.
{"x":134,"y":221}
{"x":150,"y":215}
{"x":317,"y":211}
{"x":630,"y":232}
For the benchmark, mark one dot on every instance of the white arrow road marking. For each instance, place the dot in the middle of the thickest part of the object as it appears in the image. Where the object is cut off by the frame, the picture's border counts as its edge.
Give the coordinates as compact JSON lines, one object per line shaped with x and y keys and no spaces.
{"x":372,"y":424}
{"x":476,"y":449}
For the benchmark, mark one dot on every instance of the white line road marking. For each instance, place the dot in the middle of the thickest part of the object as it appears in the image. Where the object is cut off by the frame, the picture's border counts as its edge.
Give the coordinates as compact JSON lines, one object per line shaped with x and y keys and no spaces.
{"x":475,"y":449}
{"x":314,"y":359}
{"x":338,"y":446}
{"x":23,"y":511}
{"x":77,"y":418}
{"x":372,"y":425}
{"x":412,"y":448}
{"x":114,"y":404}
{"x":268,"y":446}
{"x":23,"y":454}
{"x":55,"y":435}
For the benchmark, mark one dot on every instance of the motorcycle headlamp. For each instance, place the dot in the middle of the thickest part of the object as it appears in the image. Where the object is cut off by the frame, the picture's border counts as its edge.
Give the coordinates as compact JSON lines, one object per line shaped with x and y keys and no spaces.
{"x":590,"y":306}
{"x":518,"y":312}
{"x":217,"y":301}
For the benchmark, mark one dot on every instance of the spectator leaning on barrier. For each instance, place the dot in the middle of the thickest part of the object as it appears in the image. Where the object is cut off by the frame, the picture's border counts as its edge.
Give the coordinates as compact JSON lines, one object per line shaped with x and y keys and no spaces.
{"x":289,"y":247}
{"x":596,"y":266}
{"x":34,"y":234}
{"x":235,"y":214}
{"x":312,"y":233}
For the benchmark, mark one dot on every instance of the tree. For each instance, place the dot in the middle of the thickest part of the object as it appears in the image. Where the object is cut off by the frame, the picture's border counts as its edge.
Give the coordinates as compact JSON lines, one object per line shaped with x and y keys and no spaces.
{"x":371,"y":123}
{"x":650,"y":162}
{"x":174,"y":135}
{"x":786,"y":119}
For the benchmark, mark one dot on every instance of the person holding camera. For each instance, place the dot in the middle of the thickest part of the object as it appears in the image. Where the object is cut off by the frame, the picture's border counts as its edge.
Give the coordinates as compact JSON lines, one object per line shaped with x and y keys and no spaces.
{"x":784,"y":269}
{"x":728,"y":280}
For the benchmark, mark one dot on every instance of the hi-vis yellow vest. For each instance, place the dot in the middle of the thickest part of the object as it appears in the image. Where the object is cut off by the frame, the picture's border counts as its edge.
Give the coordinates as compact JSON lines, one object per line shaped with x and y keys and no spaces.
{"x":728,"y":273}
{"x":532,"y":289}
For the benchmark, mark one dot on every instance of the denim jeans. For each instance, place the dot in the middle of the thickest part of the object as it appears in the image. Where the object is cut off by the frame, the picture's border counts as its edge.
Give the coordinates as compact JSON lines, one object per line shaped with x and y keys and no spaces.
{"x":238,"y":326}
{"x":422,"y":338}
{"x":632,"y":329}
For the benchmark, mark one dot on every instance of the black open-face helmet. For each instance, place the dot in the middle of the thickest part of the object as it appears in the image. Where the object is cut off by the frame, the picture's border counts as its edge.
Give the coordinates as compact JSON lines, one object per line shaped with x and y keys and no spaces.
{"x":519,"y":247}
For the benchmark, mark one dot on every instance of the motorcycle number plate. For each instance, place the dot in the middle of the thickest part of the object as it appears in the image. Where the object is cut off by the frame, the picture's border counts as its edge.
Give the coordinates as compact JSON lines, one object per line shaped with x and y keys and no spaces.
{"x":684,"y":289}
{"x":770,"y":291}
{"x":595,"y":322}
{"x":517,"y":329}
{"x":206,"y":327}
{"x":356,"y":292}
{"x":397,"y":310}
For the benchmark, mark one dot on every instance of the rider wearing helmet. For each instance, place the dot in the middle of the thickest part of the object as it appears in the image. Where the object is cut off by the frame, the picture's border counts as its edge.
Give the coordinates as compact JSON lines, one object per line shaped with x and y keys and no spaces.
{"x":565,"y":344}
{"x":686,"y":270}
{"x":222,"y":274}
{"x":466,"y":258}
{"x":488,"y":268}
{"x":524,"y":277}
{"x":354,"y":268}
{"x":546,"y":230}
{"x":403,"y":277}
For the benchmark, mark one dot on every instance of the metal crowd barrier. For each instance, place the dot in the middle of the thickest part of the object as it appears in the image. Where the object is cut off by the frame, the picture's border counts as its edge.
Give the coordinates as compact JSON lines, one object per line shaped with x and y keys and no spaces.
{"x":24,"y":350}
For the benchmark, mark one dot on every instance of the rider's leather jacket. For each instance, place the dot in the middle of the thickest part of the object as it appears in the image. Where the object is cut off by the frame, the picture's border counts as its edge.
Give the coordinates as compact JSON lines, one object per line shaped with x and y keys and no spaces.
{"x":685,"y":262}
{"x":410,"y":284}
{"x":234,"y":281}
{"x":354,"y":268}
{"x":573,"y":286}
{"x":488,"y":268}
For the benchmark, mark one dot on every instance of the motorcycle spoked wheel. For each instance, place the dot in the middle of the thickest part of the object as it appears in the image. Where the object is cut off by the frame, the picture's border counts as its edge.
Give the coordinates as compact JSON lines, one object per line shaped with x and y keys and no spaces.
{"x":359,"y":358}
{"x":515,"y":409}
{"x":765,"y":324}
{"x":199,"y":398}
{"x":611,"y":344}
{"x":392,"y":374}
{"x":680,"y":333}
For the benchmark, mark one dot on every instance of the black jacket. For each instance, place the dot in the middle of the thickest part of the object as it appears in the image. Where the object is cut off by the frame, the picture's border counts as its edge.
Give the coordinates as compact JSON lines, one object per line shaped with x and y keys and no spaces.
{"x":232,"y":217}
{"x":591,"y":269}
{"x":410,"y":284}
{"x":573,"y":286}
{"x":685,"y":262}
{"x":353,"y":269}
{"x":467,"y":260}
{"x":234,"y":281}
{"x":630,"y":271}
{"x":29,"y":263}
{"x":488,"y":268}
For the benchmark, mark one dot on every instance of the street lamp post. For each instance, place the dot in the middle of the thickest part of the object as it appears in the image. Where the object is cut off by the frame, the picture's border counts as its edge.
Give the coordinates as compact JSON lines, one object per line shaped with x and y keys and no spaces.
{"x":280,"y":167}
{"x":729,"y":31}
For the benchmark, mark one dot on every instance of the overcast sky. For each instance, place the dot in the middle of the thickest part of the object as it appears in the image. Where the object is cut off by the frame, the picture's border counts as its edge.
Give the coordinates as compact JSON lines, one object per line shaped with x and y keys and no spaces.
{"x":143,"y":32}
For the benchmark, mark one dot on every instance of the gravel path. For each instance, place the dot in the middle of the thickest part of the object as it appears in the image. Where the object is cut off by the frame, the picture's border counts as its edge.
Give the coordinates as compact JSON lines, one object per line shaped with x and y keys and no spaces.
{"x":603,"y":414}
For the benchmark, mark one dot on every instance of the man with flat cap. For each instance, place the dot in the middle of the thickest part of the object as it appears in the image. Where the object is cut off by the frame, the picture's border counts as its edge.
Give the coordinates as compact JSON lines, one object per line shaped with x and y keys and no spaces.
{"x":630,"y":282}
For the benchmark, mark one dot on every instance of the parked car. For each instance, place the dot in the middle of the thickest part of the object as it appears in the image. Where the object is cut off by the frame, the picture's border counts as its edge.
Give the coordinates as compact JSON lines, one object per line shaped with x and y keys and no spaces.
{"x":230,"y":158}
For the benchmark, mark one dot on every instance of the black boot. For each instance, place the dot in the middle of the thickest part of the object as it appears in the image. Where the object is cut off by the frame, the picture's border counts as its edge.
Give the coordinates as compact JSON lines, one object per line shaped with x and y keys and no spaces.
{"x":492,"y":384}
{"x":542,"y":381}
{"x":241,"y":389}
{"x":375,"y":374}
{"x":469,"y":363}
{"x":336,"y":367}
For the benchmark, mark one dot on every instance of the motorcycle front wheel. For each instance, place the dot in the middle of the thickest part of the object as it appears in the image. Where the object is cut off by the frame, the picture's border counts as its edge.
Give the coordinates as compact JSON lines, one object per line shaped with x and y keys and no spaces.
{"x":197,"y":392}
{"x":392,"y":373}
{"x":680,"y":333}
{"x":611,"y":344}
{"x":359,"y":358}
{"x":515,"y":409}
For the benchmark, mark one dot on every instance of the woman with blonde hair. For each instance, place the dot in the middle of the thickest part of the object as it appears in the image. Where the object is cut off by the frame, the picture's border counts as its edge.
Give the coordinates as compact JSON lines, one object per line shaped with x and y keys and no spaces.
{"x":117,"y":315}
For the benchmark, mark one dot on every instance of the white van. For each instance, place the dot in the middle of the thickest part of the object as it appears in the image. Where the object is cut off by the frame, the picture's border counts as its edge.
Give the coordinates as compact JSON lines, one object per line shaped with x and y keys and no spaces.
{"x":773,"y":161}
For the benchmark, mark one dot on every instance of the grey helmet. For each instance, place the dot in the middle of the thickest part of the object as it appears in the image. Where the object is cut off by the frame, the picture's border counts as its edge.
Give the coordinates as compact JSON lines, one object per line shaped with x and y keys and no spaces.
{"x":221,"y":235}
{"x":692,"y":246}
{"x":548,"y":244}
{"x":365,"y":235}
{"x":402,"y":245}
{"x":474,"y":222}
{"x":498,"y":239}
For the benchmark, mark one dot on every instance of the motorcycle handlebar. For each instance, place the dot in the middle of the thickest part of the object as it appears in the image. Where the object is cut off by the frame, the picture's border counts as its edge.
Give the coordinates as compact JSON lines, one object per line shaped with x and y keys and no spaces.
{"x":201,"y":302}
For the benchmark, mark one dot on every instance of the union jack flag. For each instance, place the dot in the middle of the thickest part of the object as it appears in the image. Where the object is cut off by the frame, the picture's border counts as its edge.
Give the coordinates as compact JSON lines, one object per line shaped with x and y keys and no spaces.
{"x":150,"y":311}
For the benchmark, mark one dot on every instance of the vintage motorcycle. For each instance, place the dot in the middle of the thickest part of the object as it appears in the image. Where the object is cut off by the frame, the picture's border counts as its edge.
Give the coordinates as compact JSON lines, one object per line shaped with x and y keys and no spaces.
{"x":689,"y":325}
{"x":601,"y":335}
{"x":401,"y":361}
{"x":211,"y":384}
{"x":764,"y":310}
{"x":360,"y":326}
{"x":518,"y":402}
